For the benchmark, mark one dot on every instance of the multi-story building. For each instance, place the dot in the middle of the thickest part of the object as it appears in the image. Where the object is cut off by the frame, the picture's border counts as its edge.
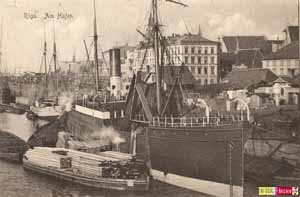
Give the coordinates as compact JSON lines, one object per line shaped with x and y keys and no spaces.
{"x":199,"y":54}
{"x":284,"y":62}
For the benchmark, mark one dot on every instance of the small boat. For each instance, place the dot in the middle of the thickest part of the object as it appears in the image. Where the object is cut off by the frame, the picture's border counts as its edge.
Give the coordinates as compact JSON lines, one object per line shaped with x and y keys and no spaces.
{"x":11,"y":108}
{"x":45,"y":110}
{"x":111,"y":170}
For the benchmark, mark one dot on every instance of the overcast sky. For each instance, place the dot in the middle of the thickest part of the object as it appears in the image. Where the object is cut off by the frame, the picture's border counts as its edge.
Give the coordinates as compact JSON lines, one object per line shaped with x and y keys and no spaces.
{"x":119,"y":19}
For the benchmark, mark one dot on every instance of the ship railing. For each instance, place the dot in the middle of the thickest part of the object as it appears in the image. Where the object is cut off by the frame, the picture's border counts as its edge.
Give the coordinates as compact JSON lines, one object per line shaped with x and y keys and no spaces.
{"x":195,"y":121}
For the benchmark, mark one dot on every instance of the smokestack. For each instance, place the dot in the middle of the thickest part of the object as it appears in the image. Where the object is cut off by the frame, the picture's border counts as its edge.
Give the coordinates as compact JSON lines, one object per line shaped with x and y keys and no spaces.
{"x":115,"y":71}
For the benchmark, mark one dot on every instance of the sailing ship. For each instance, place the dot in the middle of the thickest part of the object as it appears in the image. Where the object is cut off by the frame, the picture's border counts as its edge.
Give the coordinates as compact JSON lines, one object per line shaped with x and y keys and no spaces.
{"x":201,"y":153}
{"x":47,"y":108}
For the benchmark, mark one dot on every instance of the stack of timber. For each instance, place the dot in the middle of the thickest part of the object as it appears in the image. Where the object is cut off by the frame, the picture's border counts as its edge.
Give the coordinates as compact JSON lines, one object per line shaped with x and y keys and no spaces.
{"x":109,"y":170}
{"x":12,"y":147}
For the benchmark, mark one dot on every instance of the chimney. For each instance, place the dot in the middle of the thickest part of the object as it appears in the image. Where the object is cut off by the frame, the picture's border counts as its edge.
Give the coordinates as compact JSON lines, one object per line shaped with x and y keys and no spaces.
{"x":115,"y":71}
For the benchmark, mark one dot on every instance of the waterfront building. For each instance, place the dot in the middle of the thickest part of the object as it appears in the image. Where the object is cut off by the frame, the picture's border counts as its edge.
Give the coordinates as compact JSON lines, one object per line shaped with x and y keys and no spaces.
{"x":284,"y":62}
{"x":199,"y":54}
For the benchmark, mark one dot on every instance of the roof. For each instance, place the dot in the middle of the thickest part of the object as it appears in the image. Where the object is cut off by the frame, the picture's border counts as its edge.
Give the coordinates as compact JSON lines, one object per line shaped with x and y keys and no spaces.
{"x":191,"y":39}
{"x":289,"y":51}
{"x":293,"y":33}
{"x":244,"y":78}
{"x":252,"y":58}
{"x":247,"y":42}
{"x":171,"y":72}
{"x":213,"y":88}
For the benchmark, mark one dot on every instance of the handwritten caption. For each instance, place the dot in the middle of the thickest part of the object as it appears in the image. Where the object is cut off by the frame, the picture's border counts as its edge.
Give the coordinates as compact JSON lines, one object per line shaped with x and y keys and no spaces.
{"x":48,"y":15}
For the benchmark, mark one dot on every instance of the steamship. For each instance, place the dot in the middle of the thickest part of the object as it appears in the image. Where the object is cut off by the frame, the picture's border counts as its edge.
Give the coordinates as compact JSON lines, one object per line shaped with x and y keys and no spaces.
{"x":200,"y":153}
{"x":204,"y":153}
{"x":104,"y":109}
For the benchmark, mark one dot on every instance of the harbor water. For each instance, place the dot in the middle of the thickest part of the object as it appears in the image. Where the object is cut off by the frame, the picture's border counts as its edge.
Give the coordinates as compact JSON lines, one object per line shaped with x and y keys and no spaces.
{"x":15,"y":182}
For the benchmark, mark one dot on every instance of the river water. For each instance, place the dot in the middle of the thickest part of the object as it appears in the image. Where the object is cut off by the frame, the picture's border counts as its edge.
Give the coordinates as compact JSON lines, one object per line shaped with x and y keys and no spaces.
{"x":15,"y":182}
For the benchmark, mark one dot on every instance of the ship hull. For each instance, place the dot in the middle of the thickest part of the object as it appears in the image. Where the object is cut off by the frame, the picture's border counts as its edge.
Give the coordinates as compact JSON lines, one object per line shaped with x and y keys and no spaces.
{"x":199,"y":158}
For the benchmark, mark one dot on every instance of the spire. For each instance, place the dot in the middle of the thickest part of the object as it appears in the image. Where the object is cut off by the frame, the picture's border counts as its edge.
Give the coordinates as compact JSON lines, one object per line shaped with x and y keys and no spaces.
{"x":199,"y":30}
{"x":74,"y":56}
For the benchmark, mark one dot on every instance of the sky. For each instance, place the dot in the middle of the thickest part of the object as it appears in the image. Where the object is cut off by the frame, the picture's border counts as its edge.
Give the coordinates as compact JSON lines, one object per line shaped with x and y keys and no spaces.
{"x":23,"y":37}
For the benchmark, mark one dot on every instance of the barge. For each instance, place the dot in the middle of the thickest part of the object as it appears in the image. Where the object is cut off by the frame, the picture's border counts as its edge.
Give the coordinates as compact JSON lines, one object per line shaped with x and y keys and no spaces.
{"x":108,"y":170}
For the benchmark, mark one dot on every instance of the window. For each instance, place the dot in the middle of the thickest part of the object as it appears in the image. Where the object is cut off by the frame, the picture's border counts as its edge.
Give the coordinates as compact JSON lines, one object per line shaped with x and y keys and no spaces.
{"x":199,"y":70}
{"x":212,"y":81}
{"x":199,"y":50}
{"x":212,"y":50}
{"x":212,"y":60}
{"x":205,"y":82}
{"x":282,"y":91}
{"x":193,"y":50}
{"x":186,"y":59}
{"x":212,"y":70}
{"x":205,"y":50}
{"x":186,"y":50}
{"x":205,"y":70}
{"x":193,"y":60}
{"x":199,"y":60}
{"x":205,"y":60}
{"x":200,"y":82}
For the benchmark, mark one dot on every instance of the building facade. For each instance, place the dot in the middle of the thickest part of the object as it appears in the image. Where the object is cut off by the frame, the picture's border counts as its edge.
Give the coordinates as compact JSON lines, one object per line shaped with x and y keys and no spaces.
{"x":284,"y":62}
{"x":199,"y":54}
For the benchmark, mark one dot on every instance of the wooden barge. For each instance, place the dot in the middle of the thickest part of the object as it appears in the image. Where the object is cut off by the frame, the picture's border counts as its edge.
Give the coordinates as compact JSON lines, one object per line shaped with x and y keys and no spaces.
{"x":83,"y":168}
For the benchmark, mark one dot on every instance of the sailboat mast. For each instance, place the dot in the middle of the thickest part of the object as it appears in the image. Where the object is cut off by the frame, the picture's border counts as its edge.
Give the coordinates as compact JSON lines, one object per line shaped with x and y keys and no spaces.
{"x":156,"y":53}
{"x":55,"y":57}
{"x":45,"y":60}
{"x":96,"y":48}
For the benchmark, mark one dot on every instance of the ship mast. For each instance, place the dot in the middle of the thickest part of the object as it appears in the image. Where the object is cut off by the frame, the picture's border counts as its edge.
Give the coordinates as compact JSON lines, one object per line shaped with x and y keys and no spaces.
{"x":55,"y":58}
{"x":154,"y":22}
{"x":45,"y":60}
{"x":156,"y":54}
{"x":96,"y":48}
